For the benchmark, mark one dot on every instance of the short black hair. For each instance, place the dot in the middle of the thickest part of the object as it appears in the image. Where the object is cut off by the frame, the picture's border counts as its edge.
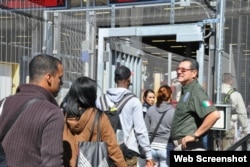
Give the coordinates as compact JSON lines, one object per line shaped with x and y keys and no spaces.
{"x":42,"y":64}
{"x":121,"y":73}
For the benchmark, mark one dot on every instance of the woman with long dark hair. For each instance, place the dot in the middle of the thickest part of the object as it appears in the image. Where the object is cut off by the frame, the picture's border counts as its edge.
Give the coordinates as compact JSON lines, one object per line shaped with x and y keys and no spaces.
{"x":79,"y":109}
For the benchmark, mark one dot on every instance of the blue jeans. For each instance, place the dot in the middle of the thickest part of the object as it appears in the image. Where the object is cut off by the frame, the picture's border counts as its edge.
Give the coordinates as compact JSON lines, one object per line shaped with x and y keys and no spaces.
{"x":170,"y":147}
{"x":160,"y":156}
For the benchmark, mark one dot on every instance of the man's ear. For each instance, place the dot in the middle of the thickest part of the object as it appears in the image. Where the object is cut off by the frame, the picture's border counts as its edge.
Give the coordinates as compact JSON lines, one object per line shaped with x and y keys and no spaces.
{"x":195,"y":74}
{"x":48,"y":77}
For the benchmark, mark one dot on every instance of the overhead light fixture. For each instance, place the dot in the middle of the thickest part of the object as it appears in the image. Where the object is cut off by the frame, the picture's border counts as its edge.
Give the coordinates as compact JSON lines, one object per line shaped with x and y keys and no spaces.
{"x":160,"y":40}
{"x":177,"y":46}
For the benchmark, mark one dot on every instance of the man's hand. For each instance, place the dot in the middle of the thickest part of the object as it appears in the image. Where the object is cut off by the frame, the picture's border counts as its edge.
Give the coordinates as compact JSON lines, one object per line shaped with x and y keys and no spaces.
{"x":150,"y":163}
{"x":185,"y":140}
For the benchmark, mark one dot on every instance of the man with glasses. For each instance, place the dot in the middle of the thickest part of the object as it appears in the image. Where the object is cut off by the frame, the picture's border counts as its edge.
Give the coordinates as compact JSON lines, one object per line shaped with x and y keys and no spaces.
{"x":195,"y":113}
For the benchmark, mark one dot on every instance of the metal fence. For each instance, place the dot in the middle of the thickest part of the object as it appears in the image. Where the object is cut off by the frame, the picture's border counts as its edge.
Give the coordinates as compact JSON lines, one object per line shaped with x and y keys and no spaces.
{"x":71,"y":34}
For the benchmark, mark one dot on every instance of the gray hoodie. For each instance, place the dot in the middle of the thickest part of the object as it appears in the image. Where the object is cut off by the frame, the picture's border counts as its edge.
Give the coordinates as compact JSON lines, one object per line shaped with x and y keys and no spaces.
{"x":152,"y":118}
{"x":132,"y":121}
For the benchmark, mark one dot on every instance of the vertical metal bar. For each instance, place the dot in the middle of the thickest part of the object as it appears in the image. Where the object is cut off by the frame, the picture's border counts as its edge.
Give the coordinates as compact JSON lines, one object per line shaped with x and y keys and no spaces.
{"x":57,"y":30}
{"x":45,"y":17}
{"x":230,"y":57}
{"x":169,"y":67}
{"x":100,"y":62}
{"x":113,"y":16}
{"x":220,"y":41}
{"x":49,"y":46}
{"x":200,"y":59}
{"x":138,"y":73}
{"x":172,"y":12}
{"x":239,"y":51}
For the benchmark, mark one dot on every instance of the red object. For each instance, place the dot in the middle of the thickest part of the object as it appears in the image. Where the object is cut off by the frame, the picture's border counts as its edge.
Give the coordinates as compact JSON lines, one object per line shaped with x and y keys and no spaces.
{"x":17,"y":4}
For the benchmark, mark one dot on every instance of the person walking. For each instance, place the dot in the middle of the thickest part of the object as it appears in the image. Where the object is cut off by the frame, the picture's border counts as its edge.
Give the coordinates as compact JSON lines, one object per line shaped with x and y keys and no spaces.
{"x":79,"y":109}
{"x":161,"y":113}
{"x":148,"y":101}
{"x":239,"y":113}
{"x":131,"y":117}
{"x":195,"y":114}
{"x":35,"y":138}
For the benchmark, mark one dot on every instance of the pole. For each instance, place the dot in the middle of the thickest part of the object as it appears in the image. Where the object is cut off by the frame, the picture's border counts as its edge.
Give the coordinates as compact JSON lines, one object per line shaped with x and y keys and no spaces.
{"x":220,"y":47}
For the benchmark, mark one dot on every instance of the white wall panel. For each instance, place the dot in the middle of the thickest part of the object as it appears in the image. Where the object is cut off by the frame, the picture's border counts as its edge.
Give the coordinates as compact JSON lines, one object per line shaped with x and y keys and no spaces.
{"x":5,"y":80}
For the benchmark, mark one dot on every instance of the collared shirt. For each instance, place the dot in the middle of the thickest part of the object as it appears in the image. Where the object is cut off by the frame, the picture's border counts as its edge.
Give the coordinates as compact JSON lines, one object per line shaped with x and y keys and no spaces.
{"x":194,"y":105}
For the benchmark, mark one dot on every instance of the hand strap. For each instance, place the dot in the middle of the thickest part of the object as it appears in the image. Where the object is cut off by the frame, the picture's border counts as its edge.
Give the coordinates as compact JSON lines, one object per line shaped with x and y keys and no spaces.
{"x":11,"y":121}
{"x":228,"y":95}
{"x":156,"y":128}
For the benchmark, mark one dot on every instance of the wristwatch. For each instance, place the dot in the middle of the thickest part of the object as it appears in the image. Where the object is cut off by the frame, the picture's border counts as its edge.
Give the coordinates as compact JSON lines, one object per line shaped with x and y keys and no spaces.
{"x":196,"y":138}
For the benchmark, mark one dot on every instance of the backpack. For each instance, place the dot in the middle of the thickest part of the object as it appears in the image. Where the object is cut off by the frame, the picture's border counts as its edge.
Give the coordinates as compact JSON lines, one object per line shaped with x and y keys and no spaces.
{"x":113,"y":115}
{"x":227,"y":100}
{"x":113,"y":112}
{"x":226,"y":96}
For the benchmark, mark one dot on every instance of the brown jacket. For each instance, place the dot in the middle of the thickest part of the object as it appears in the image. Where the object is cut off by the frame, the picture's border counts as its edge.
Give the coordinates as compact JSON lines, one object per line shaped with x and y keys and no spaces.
{"x":79,"y":130}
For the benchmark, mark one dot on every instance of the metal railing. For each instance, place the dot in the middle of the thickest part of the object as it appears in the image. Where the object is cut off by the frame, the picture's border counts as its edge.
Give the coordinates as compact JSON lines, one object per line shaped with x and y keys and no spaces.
{"x":242,"y":142}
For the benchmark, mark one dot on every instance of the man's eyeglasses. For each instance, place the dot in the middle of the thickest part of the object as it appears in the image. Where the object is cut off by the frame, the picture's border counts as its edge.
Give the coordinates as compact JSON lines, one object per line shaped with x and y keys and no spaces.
{"x":183,"y":69}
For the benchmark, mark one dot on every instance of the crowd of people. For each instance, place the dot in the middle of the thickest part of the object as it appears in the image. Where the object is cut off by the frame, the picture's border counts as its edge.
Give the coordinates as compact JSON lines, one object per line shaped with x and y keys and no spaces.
{"x":47,"y":134}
